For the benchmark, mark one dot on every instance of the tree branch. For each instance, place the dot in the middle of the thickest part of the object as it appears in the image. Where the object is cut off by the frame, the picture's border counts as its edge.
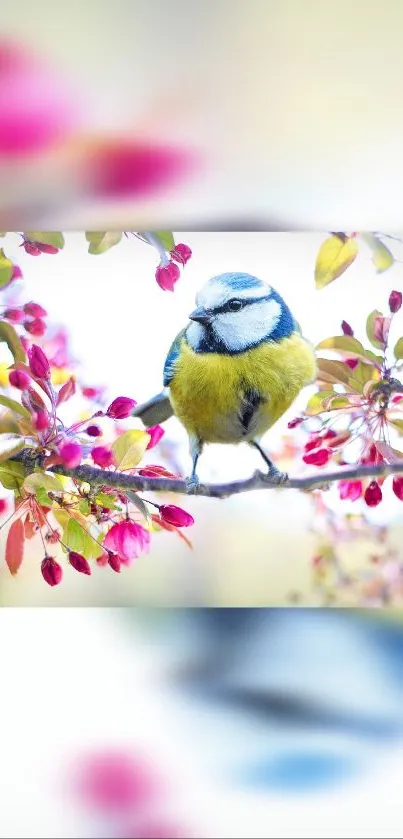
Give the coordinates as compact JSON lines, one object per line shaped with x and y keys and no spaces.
{"x":259,"y":480}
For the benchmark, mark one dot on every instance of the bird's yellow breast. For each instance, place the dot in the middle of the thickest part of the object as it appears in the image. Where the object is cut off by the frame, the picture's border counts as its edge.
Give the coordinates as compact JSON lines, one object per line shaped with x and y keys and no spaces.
{"x":207,"y":389}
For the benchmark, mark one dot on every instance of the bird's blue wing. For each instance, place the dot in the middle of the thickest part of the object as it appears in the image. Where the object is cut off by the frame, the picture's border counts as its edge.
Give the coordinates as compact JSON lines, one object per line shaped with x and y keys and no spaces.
{"x":172,"y":357}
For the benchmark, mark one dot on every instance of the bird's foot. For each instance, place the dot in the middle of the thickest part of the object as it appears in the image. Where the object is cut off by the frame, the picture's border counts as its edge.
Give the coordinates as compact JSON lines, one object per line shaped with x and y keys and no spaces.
{"x":276,"y":478}
{"x":192,"y":485}
{"x":323,"y":487}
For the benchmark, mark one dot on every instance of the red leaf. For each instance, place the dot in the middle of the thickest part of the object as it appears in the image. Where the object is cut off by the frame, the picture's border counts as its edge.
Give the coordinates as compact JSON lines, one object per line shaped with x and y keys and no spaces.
{"x":68,"y":390}
{"x":15,"y":546}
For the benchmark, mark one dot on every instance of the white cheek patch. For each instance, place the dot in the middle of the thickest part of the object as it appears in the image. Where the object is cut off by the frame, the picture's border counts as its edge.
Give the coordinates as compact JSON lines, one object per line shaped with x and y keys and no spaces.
{"x":249,"y":326}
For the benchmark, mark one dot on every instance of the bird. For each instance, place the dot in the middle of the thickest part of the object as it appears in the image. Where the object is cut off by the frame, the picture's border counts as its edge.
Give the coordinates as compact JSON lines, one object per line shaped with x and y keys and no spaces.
{"x":234,"y":369}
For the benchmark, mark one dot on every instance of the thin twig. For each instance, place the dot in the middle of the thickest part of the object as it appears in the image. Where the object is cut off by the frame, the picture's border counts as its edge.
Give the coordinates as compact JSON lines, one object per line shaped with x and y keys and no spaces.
{"x":259,"y":480}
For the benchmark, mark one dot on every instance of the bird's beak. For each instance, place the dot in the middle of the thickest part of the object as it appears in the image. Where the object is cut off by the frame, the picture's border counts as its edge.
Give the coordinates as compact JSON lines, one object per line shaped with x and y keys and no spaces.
{"x":201,"y":315}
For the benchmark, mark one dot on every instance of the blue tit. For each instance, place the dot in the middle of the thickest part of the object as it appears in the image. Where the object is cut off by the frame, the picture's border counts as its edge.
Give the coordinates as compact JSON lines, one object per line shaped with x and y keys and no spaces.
{"x":234,"y":369}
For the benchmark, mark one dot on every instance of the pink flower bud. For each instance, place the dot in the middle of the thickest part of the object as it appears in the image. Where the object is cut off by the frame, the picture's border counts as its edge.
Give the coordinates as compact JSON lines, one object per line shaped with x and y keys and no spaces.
{"x":373,"y":494}
{"x":38,"y":363}
{"x":14,"y":315}
{"x":317,"y":457}
{"x":79,"y":562}
{"x":346,"y":328}
{"x":93,"y":431}
{"x":17,"y":273}
{"x":181,"y":253}
{"x":102,"y":560}
{"x":34,"y":310}
{"x":121,"y":407}
{"x":156,"y":432}
{"x":35,"y":327}
{"x":294,"y":422}
{"x":167,"y":275}
{"x":313,"y":443}
{"x":395,"y":301}
{"x":3,"y":506}
{"x":102,"y":456}
{"x":352,"y":363}
{"x":397,"y":487}
{"x":175,"y":515}
{"x":46,"y":248}
{"x":19,"y":379}
{"x":90,"y":392}
{"x":41,"y":420}
{"x":350,"y":489}
{"x":71,"y":454}
{"x":31,"y":248}
{"x":52,"y":572}
{"x":114,"y":561}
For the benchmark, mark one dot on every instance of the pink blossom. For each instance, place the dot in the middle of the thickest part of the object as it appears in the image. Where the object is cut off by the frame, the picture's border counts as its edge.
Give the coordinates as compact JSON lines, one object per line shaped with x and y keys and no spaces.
{"x":346,"y":328}
{"x":175,"y":515}
{"x":167,"y":275}
{"x":19,"y":379}
{"x":93,"y":431}
{"x":38,"y":363}
{"x":395,"y":301}
{"x":397,"y":487}
{"x":71,"y":454}
{"x":102,"y":456}
{"x":373,"y":494}
{"x":115,"y":782}
{"x":156,"y":432}
{"x":14,"y":315}
{"x":181,"y":253}
{"x":350,"y":489}
{"x":318,"y":457}
{"x":121,"y":407}
{"x":52,"y":572}
{"x":352,"y":363}
{"x":119,"y":169}
{"x":79,"y":562}
{"x":128,"y":540}
{"x":35,"y":327}
{"x":34,"y":310}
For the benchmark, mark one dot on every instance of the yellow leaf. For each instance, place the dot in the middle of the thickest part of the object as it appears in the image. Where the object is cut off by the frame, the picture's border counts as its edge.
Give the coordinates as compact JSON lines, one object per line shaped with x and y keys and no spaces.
{"x":334,"y":372}
{"x":335,"y":255}
{"x":381,"y":255}
{"x":42,"y":480}
{"x":6,"y":269}
{"x":56,"y":239}
{"x":129,"y":448}
{"x":4,"y":374}
{"x":398,"y":350}
{"x":99,"y":242}
{"x":315,"y":403}
{"x":10,"y":445}
{"x":349,"y":347}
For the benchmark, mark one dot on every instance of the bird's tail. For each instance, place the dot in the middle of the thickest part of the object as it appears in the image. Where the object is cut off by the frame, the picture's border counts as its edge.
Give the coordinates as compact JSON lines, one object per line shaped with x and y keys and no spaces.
{"x":155,"y":411}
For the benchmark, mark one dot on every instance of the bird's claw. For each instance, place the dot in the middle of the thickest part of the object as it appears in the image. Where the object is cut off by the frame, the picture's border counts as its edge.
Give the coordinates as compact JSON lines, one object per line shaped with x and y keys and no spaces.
{"x":275,"y":477}
{"x":192,"y":485}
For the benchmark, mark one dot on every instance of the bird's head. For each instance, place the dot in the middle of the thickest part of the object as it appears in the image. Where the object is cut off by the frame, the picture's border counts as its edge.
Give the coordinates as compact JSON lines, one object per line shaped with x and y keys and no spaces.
{"x":235,"y":312}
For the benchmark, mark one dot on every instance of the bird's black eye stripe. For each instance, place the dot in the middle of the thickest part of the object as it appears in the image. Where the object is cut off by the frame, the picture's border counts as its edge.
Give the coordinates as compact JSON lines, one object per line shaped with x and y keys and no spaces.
{"x":239,"y":304}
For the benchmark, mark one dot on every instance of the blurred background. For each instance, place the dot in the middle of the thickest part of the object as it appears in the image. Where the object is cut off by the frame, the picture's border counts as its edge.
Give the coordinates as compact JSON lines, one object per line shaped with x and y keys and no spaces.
{"x":260,"y":115}
{"x":118,"y":326}
{"x":200,"y":723}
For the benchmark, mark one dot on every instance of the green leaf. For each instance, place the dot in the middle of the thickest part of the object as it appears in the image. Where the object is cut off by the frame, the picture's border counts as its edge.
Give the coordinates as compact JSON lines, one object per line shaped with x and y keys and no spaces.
{"x":370,"y":329}
{"x":381,"y":255}
{"x":139,"y":503}
{"x":129,"y":448}
{"x":102,"y":241}
{"x":9,"y":336}
{"x":105,"y":500}
{"x":166,"y":238}
{"x":339,"y":401}
{"x":398,"y":350}
{"x":14,"y":406}
{"x":398,"y":424}
{"x":54,"y":238}
{"x":315,"y":403}
{"x":6,"y":269}
{"x":74,"y":536}
{"x":334,"y":257}
{"x":350,"y":348}
{"x":12,"y":475}
{"x":84,"y":507}
{"x":10,"y":445}
{"x":43,"y":498}
{"x":42,"y":480}
{"x":91,"y":548}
